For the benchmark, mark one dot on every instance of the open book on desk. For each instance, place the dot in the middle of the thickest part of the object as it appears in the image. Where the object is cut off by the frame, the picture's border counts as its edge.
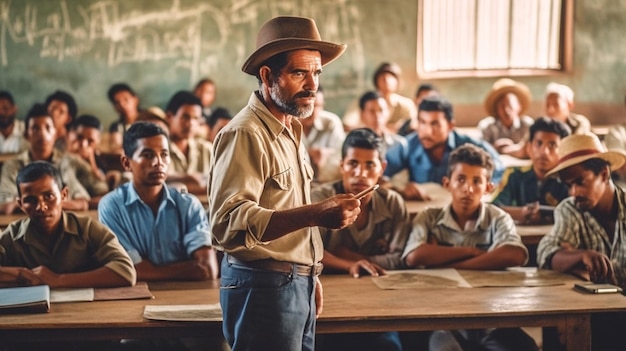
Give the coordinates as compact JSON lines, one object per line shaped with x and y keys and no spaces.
{"x":27,"y":299}
{"x":184,"y":313}
{"x":139,"y":291}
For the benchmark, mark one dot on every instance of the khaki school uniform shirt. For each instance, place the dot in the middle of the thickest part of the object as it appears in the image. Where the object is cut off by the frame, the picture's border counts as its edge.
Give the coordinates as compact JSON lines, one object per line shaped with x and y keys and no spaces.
{"x":84,"y":245}
{"x":198,"y":160}
{"x":260,"y":167}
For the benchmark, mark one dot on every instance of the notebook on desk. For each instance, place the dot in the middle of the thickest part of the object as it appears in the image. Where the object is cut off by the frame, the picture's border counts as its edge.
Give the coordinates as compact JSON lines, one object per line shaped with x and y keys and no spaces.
{"x":27,"y":299}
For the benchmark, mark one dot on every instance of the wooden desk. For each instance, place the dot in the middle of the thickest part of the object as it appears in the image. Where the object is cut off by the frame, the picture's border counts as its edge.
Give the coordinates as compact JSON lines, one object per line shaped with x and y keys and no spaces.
{"x":439,"y":197}
{"x":357,"y":305}
{"x":350,"y":305}
{"x":5,"y":220}
{"x":531,"y":234}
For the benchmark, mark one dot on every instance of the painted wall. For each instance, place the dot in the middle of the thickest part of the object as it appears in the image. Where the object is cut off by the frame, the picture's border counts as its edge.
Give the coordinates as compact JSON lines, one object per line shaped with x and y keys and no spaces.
{"x":160,"y":46}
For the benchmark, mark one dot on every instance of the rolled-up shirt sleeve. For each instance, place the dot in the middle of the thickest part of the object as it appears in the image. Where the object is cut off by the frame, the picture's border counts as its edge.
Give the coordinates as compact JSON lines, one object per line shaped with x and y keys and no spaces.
{"x":238,"y":177}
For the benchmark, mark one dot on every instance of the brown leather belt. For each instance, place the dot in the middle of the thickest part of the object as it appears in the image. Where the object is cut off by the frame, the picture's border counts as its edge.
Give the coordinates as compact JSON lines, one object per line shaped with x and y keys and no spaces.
{"x":280,"y":266}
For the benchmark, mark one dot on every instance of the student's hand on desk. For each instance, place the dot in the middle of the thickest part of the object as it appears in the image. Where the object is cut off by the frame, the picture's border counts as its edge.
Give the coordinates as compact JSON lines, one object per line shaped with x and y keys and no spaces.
{"x":47,"y":276}
{"x":338,"y":211}
{"x":18,"y":276}
{"x":412,"y":191}
{"x":599,"y":267}
{"x":371,"y":268}
{"x":206,"y":257}
{"x":531,"y":214}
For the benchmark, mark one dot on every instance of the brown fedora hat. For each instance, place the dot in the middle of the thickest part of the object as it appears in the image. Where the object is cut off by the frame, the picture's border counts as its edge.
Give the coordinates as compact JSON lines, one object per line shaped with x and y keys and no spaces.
{"x":502,"y":87}
{"x":285,"y":33}
{"x":578,"y":148}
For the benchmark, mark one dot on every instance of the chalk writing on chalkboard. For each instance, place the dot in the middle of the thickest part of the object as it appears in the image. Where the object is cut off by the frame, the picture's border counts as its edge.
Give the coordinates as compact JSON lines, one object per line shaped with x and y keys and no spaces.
{"x":195,"y":35}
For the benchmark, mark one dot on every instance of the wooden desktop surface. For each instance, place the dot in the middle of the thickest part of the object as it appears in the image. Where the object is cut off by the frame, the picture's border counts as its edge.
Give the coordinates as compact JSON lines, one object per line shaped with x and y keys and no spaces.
{"x":350,"y":305}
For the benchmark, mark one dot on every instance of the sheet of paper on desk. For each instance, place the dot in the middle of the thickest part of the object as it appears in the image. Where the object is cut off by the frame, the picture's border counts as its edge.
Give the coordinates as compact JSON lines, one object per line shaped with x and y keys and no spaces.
{"x":184,"y":313}
{"x":515,"y":276}
{"x":138,"y":291}
{"x":71,"y":295}
{"x":421,"y":278}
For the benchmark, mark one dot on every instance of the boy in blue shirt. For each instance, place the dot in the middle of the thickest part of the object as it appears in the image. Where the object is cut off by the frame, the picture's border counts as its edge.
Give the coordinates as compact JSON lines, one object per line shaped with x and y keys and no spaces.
{"x":166,"y":233}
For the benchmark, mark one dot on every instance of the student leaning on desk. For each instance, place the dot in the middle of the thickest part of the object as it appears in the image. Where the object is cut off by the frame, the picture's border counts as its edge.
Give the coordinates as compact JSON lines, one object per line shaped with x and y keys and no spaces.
{"x":58,"y":248}
{"x":589,"y":234}
{"x":468,"y":234}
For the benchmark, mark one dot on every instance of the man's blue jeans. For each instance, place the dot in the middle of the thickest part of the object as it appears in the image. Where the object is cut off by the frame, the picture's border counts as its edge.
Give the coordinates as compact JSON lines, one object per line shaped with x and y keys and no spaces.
{"x":266,"y":310}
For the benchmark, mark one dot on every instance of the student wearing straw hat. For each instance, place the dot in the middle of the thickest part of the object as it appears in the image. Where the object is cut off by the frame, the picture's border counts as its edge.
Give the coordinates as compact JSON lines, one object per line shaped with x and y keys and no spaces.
{"x":589,"y":234}
{"x":506,"y":103}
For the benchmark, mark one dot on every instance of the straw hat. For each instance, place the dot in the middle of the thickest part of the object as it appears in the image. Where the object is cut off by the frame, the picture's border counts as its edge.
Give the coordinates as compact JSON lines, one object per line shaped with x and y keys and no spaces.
{"x":281,"y":34}
{"x":579,"y":148}
{"x":502,"y":87}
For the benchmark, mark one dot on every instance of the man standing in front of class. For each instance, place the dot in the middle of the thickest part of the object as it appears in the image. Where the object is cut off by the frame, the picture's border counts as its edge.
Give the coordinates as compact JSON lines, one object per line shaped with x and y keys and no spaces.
{"x":259,"y":196}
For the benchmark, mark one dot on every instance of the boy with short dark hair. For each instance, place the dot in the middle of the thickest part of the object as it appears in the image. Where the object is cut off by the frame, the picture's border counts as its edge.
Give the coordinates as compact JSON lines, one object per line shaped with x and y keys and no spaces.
{"x":58,"y":248}
{"x":41,"y":134}
{"x":190,"y":156}
{"x":12,"y":140}
{"x":126,"y":104}
{"x":165,"y":232}
{"x":63,"y":109}
{"x":468,"y":234}
{"x":524,"y":189}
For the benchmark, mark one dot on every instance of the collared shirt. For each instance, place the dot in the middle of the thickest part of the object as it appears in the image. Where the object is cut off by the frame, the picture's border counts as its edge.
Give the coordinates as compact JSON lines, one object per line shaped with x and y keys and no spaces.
{"x":260,"y":167}
{"x":493,"y":228}
{"x":520,"y":186}
{"x":581,"y":230}
{"x":83,"y":245}
{"x":327,"y":133}
{"x":579,"y":124}
{"x":179,"y":228}
{"x":493,"y":129}
{"x":65,"y":162}
{"x":383,"y":239}
{"x":15,"y":142}
{"x":414,"y":157}
{"x":197,"y":162}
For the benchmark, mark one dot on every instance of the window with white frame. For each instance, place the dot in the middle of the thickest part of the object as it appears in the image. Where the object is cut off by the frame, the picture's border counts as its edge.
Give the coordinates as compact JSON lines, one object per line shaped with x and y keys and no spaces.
{"x":493,"y":37}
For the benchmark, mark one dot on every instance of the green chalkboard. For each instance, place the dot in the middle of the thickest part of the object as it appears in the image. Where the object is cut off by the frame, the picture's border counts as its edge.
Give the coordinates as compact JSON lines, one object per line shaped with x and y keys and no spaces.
{"x":160,"y":46}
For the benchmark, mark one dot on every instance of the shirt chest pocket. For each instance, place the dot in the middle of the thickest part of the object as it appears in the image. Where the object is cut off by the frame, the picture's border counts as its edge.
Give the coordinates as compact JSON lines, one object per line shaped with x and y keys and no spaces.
{"x":283,"y":180}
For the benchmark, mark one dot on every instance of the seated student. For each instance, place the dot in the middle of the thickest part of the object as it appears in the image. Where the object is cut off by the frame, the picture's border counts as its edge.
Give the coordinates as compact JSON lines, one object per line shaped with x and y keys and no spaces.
{"x":205,"y":90}
{"x":324,"y":134}
{"x":506,"y":124}
{"x":41,"y":134}
{"x":190,"y":157}
{"x":426,"y":152}
{"x":54,"y":247}
{"x":374,"y":242}
{"x":559,"y":105}
{"x":523,"y":189}
{"x":387,"y":79}
{"x":468,"y":234}
{"x":165,"y":232}
{"x":126,"y":104}
{"x":379,"y":233}
{"x":423,"y":91}
{"x":216,"y":121}
{"x":12,"y":139}
{"x":62,"y":108}
{"x":374,"y":114}
{"x":83,"y":138}
{"x":590,"y":227}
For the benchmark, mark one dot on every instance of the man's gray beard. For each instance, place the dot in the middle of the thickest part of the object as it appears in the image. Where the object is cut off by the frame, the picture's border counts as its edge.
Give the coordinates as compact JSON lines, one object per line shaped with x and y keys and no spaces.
{"x":289,"y":107}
